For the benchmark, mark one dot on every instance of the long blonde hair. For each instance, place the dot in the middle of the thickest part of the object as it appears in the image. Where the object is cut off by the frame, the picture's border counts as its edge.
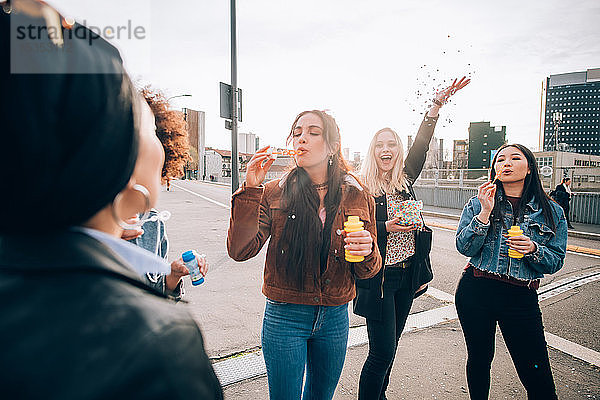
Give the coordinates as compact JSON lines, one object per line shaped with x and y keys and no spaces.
{"x":376,"y":181}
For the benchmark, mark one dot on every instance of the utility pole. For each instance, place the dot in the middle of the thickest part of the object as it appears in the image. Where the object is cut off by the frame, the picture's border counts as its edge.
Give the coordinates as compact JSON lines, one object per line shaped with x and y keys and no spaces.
{"x":235,"y":179}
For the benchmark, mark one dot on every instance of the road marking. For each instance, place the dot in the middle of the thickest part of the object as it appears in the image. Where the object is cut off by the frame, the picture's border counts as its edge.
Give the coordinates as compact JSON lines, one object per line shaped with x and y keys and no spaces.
{"x":440,"y":295}
{"x":441,"y":226}
{"x":566,"y":284}
{"x":573,"y":349}
{"x":583,"y":254}
{"x":203,"y":197}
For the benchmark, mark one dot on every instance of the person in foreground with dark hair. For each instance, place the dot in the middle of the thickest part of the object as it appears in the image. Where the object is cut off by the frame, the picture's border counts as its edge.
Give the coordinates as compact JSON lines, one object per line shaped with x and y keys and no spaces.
{"x":77,"y":321}
{"x":497,"y":288}
{"x":307,"y":281}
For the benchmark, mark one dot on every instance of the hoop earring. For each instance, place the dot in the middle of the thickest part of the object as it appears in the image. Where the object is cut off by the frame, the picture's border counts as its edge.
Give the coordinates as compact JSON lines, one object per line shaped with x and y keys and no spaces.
{"x":7,"y":7}
{"x":143,"y":218}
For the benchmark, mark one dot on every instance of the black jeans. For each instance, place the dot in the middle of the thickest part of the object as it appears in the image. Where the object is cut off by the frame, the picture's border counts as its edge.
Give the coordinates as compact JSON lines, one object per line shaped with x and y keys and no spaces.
{"x":483,"y":302}
{"x":383,"y":339}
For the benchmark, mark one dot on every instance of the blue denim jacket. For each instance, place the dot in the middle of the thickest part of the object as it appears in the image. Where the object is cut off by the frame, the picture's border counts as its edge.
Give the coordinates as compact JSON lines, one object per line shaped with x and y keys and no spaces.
{"x":488,"y":248}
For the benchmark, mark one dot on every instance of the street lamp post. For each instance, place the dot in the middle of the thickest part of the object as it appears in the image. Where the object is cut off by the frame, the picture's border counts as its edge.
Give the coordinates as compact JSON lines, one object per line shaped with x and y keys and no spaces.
{"x":179,"y":95}
{"x":557,"y":117}
{"x":234,"y":100}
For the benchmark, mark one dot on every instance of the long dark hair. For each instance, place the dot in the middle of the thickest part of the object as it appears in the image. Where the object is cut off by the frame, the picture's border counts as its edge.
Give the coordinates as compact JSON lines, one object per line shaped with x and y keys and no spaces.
{"x":532,"y":188}
{"x":303,"y":238}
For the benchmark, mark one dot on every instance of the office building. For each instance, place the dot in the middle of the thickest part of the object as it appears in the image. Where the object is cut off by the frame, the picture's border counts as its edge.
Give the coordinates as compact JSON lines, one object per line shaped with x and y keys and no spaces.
{"x":571,"y":112}
{"x":460,"y":154}
{"x":195,"y":121}
{"x":247,"y":143}
{"x":483,"y":141}
{"x":346,"y":153}
{"x":583,"y":169}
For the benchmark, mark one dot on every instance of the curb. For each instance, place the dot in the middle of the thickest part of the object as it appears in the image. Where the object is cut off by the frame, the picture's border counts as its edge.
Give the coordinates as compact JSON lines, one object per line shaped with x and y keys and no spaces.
{"x":583,"y":250}
{"x":441,"y":215}
{"x":570,"y":247}
{"x":584,"y":235}
{"x":572,"y":233}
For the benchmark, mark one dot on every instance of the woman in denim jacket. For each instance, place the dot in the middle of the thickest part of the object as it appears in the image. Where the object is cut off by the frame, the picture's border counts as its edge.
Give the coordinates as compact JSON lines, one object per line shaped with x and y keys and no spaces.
{"x":498,"y":289}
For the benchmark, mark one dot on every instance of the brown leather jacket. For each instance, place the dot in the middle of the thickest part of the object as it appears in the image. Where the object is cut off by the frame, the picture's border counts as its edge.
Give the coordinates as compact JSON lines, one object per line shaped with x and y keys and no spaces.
{"x":256,"y":214}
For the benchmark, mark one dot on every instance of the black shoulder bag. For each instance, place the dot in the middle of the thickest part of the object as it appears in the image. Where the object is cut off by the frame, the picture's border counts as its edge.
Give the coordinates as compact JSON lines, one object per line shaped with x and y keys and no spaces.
{"x":423,"y":272}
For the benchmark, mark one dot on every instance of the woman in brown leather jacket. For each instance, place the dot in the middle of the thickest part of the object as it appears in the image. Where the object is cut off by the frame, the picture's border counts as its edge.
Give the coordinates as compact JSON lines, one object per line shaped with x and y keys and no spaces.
{"x":307,"y":281}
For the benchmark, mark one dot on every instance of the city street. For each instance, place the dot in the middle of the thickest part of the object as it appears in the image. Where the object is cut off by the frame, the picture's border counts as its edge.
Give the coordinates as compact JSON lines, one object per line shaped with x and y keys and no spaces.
{"x":431,"y":357}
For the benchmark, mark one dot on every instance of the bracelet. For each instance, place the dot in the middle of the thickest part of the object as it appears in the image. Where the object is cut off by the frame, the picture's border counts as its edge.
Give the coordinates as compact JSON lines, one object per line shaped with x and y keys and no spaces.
{"x":437,"y":102}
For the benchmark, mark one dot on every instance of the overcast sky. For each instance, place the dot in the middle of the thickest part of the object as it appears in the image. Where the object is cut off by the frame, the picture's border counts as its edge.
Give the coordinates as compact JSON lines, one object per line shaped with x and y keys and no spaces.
{"x":373,"y":64}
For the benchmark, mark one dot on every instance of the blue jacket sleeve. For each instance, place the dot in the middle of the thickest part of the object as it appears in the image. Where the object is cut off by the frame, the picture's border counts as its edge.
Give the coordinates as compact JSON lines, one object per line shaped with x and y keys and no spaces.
{"x":550,"y":257}
{"x":471,"y":232}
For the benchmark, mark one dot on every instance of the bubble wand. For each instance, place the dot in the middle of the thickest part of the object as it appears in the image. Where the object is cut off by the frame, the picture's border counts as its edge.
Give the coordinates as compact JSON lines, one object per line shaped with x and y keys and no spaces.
{"x":285,"y":152}
{"x":498,"y":174}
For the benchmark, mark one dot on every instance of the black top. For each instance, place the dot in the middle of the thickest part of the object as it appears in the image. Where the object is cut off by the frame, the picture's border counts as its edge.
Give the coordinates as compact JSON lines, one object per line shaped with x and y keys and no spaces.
{"x":325,"y":242}
{"x":514,"y":201}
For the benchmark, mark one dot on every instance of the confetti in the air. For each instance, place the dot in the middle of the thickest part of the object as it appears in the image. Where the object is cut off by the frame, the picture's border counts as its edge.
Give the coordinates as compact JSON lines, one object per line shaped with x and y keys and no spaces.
{"x":453,"y":60}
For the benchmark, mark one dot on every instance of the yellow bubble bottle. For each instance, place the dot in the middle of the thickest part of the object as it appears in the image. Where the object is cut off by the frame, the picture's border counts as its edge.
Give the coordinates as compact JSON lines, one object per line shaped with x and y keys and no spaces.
{"x":354,"y":224}
{"x":512,"y":232}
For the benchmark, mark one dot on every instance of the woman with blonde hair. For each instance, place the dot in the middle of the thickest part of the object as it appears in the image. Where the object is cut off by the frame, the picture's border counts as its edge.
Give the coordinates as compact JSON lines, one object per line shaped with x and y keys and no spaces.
{"x":385,"y":300}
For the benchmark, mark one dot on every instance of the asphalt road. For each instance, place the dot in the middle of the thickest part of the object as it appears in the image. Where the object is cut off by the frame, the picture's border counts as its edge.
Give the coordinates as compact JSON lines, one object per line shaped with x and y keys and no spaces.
{"x":229,"y":308}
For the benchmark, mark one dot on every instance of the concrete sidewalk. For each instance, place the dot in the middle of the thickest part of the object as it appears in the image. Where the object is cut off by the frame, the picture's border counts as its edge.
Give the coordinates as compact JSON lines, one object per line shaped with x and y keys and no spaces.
{"x":419,"y":372}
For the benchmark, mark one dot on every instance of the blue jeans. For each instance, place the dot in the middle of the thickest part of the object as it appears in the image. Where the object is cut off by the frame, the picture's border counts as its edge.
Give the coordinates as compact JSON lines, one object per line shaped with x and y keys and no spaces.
{"x":296,"y":337}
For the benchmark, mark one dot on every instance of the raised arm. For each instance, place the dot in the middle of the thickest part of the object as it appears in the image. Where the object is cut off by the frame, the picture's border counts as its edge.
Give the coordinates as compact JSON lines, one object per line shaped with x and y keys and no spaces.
{"x":413,"y":165}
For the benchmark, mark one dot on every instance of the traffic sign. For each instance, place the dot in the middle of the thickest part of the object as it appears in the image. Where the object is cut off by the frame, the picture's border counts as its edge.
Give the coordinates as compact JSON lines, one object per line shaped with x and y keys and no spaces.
{"x":546,"y":171}
{"x":225,"y":101}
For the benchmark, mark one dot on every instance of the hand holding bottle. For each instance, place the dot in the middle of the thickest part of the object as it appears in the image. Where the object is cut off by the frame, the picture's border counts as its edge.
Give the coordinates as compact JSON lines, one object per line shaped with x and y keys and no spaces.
{"x":196,"y":265}
{"x":359,"y":242}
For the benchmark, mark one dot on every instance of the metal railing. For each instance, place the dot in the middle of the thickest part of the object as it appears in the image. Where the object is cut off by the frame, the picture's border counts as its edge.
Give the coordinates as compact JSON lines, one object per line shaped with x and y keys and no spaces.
{"x":453,"y":188}
{"x":447,"y":197}
{"x":585,"y":206}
